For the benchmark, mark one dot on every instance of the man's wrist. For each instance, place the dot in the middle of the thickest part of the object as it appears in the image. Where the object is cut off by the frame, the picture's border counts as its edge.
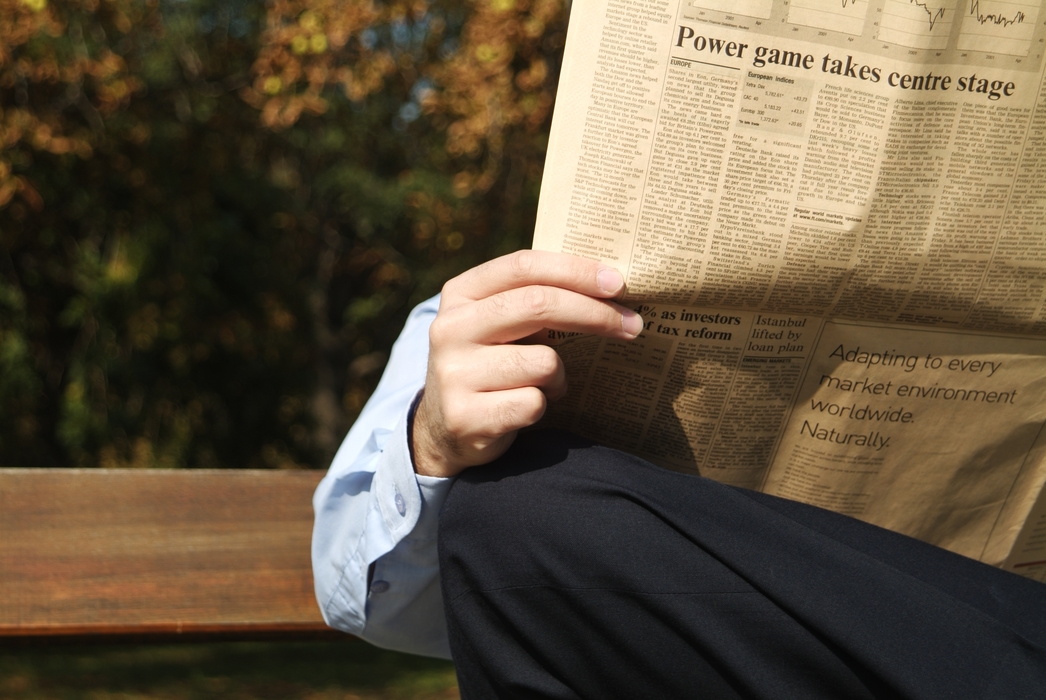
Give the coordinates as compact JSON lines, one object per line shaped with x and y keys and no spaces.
{"x":425,"y":454}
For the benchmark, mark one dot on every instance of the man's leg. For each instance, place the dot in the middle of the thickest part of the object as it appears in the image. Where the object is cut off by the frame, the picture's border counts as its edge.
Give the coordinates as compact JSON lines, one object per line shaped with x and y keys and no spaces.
{"x":574,"y":571}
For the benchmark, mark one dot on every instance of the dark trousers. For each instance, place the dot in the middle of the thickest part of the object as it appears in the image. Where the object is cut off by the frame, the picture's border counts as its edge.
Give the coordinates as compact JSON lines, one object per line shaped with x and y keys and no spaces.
{"x":571,"y":570}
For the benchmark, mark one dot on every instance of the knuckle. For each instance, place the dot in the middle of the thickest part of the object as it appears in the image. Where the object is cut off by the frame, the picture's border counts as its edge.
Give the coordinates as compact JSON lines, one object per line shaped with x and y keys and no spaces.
{"x":538,"y":302}
{"x":530,"y":409}
{"x":453,"y":375}
{"x":534,"y":407}
{"x":439,"y":333}
{"x":453,"y":425}
{"x":545,"y":362}
{"x":443,"y":377}
{"x":456,"y":417}
{"x":521,"y":265}
{"x":449,"y":290}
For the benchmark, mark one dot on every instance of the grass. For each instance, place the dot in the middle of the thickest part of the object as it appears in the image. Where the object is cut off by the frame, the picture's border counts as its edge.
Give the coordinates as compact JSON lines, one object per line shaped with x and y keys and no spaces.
{"x":237,"y":671}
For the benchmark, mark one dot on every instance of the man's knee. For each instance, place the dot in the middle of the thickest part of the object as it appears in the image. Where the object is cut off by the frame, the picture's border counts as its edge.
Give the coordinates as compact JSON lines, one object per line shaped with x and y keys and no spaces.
{"x":500,"y":516}
{"x":558,"y":510}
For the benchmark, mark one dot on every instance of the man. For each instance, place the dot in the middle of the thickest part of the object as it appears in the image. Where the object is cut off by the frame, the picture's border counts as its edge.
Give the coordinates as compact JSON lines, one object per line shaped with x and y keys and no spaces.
{"x":568,"y":570}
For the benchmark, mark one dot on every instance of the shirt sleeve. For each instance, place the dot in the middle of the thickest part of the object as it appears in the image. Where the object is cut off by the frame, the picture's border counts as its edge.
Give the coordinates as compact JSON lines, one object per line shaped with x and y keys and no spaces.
{"x":376,"y":519}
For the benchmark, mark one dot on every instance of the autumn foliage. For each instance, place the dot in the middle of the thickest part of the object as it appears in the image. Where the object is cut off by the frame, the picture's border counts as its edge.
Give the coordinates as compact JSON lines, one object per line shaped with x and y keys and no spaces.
{"x":215,"y":214}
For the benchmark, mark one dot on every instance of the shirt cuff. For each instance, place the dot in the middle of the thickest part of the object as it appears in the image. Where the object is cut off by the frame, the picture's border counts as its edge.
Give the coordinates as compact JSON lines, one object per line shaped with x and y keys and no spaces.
{"x":396,"y":485}
{"x":409,"y":502}
{"x":434,"y":490}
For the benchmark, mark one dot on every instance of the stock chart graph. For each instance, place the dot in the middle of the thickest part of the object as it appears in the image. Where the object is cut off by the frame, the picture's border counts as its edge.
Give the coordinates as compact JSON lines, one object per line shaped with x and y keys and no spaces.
{"x":846,"y":16}
{"x":919,"y":24}
{"x":999,"y":27}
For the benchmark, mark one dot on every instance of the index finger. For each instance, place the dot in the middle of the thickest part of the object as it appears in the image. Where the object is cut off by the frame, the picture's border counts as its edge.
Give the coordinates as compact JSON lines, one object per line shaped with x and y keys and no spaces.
{"x":536,"y":267}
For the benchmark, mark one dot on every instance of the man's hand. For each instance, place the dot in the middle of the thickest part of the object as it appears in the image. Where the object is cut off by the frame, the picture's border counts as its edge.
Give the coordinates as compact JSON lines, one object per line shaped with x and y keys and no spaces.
{"x":481,"y":386}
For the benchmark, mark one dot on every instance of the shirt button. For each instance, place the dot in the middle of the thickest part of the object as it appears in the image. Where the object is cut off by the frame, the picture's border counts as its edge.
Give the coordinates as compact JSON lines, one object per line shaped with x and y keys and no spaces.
{"x":379,"y":586}
{"x":401,"y":504}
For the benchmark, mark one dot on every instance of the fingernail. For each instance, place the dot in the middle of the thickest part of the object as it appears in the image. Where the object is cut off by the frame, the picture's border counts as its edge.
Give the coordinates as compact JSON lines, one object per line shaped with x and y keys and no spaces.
{"x":631,"y":323}
{"x":610,"y":280}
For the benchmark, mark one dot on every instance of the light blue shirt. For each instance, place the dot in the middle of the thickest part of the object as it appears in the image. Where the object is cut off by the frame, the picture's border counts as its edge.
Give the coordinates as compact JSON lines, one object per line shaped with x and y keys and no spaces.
{"x":372,"y":509}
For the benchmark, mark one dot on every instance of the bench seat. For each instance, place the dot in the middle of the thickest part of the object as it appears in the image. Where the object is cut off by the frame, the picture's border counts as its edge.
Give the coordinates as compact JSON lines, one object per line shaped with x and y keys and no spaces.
{"x":157,"y":554}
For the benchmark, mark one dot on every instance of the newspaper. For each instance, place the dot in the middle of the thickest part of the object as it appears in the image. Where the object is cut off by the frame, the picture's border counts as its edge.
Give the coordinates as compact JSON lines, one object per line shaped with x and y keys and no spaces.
{"x":832,"y":216}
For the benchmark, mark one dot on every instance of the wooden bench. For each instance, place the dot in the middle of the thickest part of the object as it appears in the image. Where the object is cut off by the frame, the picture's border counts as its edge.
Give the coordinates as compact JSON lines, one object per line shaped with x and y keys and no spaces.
{"x":157,"y":554}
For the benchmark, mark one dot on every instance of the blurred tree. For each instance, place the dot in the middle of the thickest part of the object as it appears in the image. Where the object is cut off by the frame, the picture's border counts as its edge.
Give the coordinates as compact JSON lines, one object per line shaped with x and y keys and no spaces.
{"x":214,"y":215}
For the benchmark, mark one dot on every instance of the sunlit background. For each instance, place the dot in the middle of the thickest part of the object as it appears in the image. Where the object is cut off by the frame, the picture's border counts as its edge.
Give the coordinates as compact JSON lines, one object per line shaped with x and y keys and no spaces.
{"x":214,"y":218}
{"x":215,"y":214}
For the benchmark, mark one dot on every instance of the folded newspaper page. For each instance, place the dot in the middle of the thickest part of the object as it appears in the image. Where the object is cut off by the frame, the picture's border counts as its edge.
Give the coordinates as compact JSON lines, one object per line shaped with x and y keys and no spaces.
{"x":832,"y":215}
